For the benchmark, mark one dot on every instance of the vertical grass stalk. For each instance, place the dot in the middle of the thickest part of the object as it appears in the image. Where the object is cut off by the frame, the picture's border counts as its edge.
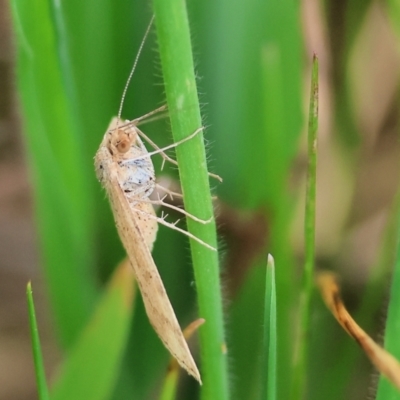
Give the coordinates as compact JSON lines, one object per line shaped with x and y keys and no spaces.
{"x":182,"y":98}
{"x":386,"y":391}
{"x":269,"y":362}
{"x":300,"y":362}
{"x":43,"y":393}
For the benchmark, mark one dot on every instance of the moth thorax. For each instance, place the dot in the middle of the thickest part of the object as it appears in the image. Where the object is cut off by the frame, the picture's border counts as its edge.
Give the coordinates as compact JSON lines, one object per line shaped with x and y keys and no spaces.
{"x":123,"y":141}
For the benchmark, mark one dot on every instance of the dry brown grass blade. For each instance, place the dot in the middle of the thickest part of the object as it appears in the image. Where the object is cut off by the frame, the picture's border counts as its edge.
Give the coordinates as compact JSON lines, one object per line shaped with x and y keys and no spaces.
{"x":380,"y":358}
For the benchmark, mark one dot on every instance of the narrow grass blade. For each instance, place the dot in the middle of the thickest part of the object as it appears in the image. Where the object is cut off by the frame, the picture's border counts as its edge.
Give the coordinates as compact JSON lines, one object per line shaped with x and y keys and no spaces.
{"x":92,"y":366}
{"x":300,"y":362}
{"x":180,"y":85}
{"x":170,"y":384}
{"x":36,"y":348}
{"x":280,"y":97}
{"x":269,"y":363}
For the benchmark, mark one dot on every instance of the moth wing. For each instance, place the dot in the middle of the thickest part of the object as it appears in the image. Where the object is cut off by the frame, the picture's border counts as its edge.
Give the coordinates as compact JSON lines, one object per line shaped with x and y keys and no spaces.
{"x":156,"y":301}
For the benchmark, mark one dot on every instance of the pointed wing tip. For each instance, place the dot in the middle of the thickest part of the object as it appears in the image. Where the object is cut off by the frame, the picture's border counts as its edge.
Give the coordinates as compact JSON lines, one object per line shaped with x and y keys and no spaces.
{"x":196,"y":375}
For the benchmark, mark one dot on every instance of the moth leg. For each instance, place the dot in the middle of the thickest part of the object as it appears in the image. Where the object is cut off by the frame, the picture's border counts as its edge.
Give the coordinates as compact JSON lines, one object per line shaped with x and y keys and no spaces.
{"x":173,"y":226}
{"x":136,"y":121}
{"x":133,"y":123}
{"x":155,"y":118}
{"x":171,"y":146}
{"x":173,"y":194}
{"x":215,"y":176}
{"x":160,"y":202}
{"x":165,"y":157}
{"x":170,"y":192}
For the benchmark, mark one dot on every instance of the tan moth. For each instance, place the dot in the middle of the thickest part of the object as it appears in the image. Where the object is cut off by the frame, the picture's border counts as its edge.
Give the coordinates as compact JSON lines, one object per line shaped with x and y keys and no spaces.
{"x":124,"y":168}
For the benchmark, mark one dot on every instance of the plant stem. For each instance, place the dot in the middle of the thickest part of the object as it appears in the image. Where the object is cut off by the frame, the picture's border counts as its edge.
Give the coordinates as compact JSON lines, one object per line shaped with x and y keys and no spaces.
{"x":269,"y":360}
{"x":180,"y":86}
{"x":300,"y":362}
{"x":43,"y":393}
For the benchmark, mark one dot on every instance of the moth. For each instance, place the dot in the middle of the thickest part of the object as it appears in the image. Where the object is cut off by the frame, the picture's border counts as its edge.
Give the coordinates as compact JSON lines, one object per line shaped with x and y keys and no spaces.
{"x":125,"y":169}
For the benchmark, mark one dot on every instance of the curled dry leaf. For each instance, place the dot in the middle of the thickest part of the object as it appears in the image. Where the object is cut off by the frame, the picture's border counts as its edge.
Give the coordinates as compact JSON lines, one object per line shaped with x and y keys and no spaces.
{"x":382,"y":360}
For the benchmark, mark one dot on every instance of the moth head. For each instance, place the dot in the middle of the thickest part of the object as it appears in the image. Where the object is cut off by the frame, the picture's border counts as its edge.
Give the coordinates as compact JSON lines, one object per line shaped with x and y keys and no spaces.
{"x":123,"y":141}
{"x":120,"y":136}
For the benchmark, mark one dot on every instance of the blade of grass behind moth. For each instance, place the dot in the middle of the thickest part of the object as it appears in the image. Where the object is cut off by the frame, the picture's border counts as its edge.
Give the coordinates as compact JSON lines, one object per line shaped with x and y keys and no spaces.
{"x":170,"y":384}
{"x":274,"y":167}
{"x":180,"y":86}
{"x":92,"y":366}
{"x":56,"y":165}
{"x":269,"y":360}
{"x":392,"y":331}
{"x":301,"y":349}
{"x":36,"y":348}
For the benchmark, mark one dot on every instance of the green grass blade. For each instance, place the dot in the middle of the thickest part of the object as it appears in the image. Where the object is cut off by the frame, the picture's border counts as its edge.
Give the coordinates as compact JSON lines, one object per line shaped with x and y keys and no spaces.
{"x":281,"y":98}
{"x":268,"y":371}
{"x":245,"y":339}
{"x":170,"y":385}
{"x":386,"y":391}
{"x":36,"y":348}
{"x":57,"y":168}
{"x":394,"y":16}
{"x":91,"y":368}
{"x":301,"y":361}
{"x":180,"y":85}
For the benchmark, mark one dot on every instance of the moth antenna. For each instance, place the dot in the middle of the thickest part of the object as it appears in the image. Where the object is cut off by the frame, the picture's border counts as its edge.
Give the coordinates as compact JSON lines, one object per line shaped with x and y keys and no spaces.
{"x":133,"y":68}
